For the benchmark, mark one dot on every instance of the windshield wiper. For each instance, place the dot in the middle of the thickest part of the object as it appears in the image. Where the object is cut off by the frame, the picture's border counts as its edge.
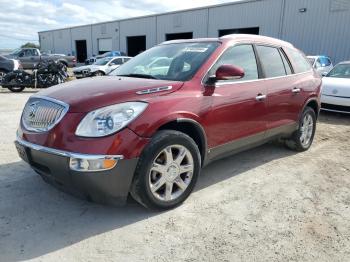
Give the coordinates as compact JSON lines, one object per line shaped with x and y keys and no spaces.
{"x":140,"y":76}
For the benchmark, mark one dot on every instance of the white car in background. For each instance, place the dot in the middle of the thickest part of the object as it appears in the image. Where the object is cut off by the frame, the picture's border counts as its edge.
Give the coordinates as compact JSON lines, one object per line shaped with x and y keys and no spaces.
{"x":101,"y":67}
{"x":322,"y":64}
{"x":335,"y":94}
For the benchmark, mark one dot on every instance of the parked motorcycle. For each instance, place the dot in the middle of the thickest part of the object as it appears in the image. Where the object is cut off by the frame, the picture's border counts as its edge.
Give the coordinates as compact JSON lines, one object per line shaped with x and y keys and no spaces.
{"x":46,"y":74}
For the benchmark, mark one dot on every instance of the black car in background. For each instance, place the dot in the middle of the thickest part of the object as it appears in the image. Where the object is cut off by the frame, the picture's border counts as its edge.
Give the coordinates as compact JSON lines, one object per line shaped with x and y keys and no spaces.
{"x":8,"y":65}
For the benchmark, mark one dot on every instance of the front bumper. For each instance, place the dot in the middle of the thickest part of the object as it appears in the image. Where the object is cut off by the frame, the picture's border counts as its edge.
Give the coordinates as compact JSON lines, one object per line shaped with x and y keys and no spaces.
{"x":106,"y":187}
{"x":83,"y":74}
{"x":335,"y":103}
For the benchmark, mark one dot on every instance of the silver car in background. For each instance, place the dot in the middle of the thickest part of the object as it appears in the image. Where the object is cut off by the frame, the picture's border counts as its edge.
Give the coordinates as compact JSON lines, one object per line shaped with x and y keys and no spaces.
{"x":101,"y":67}
{"x":335,"y":95}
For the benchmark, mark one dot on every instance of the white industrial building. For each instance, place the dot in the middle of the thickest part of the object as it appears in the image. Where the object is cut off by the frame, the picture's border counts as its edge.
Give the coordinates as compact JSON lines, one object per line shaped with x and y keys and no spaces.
{"x":314,"y":26}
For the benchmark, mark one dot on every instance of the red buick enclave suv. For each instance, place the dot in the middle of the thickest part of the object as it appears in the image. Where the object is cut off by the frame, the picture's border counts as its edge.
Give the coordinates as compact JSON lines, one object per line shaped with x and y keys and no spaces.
{"x":149,"y":127}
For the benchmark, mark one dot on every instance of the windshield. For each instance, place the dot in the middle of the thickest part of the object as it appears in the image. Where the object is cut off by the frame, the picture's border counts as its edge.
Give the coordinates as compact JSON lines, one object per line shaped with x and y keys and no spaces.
{"x":103,"y":61}
{"x":16,"y":51}
{"x":340,"y":71}
{"x":177,"y":62}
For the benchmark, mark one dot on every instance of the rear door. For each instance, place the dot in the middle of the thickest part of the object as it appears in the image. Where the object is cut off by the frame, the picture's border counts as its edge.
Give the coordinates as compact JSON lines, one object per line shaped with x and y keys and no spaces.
{"x":237,"y":115}
{"x":283,"y":103}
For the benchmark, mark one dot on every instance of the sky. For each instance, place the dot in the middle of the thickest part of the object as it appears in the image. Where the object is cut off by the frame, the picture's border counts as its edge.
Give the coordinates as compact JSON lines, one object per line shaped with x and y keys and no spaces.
{"x":21,"y":20}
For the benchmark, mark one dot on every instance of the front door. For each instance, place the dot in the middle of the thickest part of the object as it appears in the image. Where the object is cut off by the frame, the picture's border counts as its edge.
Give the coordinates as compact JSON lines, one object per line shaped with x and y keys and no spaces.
{"x":238,"y":115}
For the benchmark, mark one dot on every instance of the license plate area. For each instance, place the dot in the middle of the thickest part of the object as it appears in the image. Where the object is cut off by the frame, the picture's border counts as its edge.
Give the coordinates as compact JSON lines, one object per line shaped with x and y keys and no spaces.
{"x":22,"y":152}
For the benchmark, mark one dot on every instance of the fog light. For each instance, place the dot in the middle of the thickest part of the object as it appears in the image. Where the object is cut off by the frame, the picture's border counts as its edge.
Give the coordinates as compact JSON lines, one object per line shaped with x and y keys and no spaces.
{"x":91,"y":165}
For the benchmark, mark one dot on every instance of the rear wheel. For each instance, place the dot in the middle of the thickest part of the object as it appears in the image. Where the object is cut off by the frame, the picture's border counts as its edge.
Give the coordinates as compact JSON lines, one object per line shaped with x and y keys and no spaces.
{"x":302,"y":138}
{"x":167,"y":170}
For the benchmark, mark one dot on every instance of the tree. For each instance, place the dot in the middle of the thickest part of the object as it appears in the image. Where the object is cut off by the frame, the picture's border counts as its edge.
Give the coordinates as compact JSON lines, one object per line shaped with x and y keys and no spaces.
{"x":30,"y":45}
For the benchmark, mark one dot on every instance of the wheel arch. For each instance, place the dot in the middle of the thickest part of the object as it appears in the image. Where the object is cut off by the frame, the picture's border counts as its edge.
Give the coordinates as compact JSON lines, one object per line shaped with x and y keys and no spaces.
{"x":191,"y":128}
{"x":314,"y":104}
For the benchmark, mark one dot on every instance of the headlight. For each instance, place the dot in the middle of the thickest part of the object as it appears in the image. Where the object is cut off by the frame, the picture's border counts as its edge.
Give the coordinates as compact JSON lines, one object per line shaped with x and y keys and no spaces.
{"x":110,"y":119}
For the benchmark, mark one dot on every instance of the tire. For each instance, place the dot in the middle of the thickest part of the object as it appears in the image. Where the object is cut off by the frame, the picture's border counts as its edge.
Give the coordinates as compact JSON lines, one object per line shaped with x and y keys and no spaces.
{"x":302,"y":138}
{"x":2,"y":74}
{"x":147,"y":179}
{"x":99,"y":73}
{"x":16,"y":89}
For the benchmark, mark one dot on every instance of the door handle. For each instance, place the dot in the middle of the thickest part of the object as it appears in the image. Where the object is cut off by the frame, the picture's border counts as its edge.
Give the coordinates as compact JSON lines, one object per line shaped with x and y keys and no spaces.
{"x":296,"y":90}
{"x":260,"y":97}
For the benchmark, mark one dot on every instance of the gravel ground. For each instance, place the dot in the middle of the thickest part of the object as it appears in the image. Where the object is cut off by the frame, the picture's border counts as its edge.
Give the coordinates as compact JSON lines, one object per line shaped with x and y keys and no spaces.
{"x":266,"y":204}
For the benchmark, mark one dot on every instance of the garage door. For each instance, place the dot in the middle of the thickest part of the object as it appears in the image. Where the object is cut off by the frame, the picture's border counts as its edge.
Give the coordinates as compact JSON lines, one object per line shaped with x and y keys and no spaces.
{"x":104,"y":45}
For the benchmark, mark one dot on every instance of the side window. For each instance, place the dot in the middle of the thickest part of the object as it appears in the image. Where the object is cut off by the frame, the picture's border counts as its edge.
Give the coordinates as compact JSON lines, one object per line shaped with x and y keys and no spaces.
{"x":29,"y":52}
{"x":242,"y":56}
{"x":271,"y":61}
{"x":286,"y":63}
{"x":36,"y":53}
{"x":117,"y":61}
{"x":299,"y":61}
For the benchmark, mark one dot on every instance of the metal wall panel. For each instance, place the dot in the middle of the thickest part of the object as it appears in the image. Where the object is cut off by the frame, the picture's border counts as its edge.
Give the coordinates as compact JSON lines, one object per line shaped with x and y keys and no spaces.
{"x":136,"y":27}
{"x":263,"y":14}
{"x":104,"y":30}
{"x":62,"y":43}
{"x":318,"y":30}
{"x":321,"y":29}
{"x":46,"y":42}
{"x":189,"y":21}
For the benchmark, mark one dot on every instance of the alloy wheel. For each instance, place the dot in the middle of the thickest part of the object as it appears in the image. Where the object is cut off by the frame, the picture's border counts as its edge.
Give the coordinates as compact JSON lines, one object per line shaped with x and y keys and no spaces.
{"x":171,"y":173}
{"x":306,"y":129}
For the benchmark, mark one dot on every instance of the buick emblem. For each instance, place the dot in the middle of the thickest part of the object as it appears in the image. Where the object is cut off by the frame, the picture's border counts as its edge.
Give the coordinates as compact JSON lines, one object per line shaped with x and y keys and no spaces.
{"x":33,"y":107}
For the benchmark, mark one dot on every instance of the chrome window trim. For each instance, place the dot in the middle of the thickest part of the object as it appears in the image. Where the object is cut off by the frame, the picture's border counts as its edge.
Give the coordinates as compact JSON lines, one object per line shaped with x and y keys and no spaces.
{"x":65,"y":153}
{"x":261,"y":79}
{"x":53,"y":100}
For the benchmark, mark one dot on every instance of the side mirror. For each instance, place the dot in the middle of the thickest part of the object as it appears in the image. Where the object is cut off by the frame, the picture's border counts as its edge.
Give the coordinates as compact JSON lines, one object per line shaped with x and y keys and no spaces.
{"x":324,"y":74}
{"x":228,"y":72}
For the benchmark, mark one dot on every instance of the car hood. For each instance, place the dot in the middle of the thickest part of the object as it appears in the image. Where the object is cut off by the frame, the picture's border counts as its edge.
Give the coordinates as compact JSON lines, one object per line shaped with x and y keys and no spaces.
{"x":88,"y":94}
{"x":336,"y":86}
{"x":9,"y":56}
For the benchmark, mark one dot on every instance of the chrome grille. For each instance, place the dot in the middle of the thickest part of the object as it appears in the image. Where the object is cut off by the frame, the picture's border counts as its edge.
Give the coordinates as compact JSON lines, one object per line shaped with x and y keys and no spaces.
{"x":41,"y":114}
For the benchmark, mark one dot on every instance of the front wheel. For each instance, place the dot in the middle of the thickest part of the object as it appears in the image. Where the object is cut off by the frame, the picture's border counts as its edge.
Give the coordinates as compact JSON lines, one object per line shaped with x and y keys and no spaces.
{"x":16,"y":89}
{"x":167,"y":170}
{"x":99,"y":73}
{"x":302,"y":138}
{"x":2,"y":74}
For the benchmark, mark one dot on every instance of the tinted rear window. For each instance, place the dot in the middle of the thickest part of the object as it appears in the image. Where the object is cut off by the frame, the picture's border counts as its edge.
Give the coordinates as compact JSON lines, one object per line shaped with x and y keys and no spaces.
{"x":271,"y":61}
{"x":300,"y":63}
